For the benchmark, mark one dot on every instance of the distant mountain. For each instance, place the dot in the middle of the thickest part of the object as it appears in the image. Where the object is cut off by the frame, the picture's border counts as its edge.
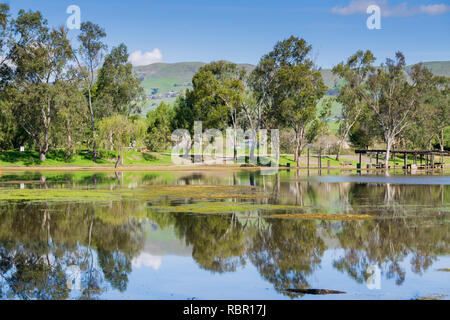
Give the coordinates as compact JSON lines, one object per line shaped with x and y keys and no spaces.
{"x":165,"y":81}
{"x":439,"y":68}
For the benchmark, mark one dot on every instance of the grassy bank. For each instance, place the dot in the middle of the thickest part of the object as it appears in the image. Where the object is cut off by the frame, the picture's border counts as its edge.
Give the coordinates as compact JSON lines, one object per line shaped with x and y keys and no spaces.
{"x":81,"y":159}
{"x":133,"y":159}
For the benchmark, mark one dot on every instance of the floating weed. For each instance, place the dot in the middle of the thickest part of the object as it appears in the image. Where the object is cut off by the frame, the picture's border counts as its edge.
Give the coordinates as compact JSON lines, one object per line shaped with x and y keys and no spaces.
{"x":323,"y":216}
{"x":206,"y":191}
{"x":58,"y":195}
{"x":221,"y":207}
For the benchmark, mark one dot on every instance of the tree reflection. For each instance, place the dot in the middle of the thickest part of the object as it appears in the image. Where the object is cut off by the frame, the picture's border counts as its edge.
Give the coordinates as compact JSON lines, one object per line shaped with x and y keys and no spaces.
{"x":286,"y":252}
{"x":39,"y":242}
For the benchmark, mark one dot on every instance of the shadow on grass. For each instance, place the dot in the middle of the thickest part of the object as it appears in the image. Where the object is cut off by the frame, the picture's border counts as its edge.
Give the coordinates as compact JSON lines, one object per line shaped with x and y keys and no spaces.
{"x":28,"y":158}
{"x":151,"y":157}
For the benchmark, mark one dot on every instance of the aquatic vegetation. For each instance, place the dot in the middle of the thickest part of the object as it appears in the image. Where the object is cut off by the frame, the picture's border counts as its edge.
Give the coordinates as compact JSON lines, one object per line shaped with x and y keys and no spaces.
{"x":206,"y":191}
{"x":222,"y":207}
{"x":324,"y":216}
{"x":444,"y":269}
{"x":58,"y":195}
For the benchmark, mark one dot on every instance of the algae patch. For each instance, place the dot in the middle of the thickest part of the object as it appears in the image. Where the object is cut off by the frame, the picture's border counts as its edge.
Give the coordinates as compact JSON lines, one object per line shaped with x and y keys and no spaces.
{"x":323,"y":216}
{"x":221,"y":207}
{"x":206,"y":191}
{"x":57,"y":195}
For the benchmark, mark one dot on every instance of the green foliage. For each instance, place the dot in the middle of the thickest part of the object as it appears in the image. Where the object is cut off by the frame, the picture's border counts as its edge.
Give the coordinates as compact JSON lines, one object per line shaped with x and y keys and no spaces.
{"x":118,"y":90}
{"x":159,"y":127}
{"x":287,"y":81}
{"x":116,"y":132}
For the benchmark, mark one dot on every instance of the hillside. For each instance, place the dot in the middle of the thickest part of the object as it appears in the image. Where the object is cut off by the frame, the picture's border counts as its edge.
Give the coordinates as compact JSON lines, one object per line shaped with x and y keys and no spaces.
{"x":165,"y":81}
{"x":439,"y":68}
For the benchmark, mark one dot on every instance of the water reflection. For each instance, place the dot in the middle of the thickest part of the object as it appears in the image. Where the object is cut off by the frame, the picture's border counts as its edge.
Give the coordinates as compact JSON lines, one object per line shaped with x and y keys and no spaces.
{"x":40,"y":242}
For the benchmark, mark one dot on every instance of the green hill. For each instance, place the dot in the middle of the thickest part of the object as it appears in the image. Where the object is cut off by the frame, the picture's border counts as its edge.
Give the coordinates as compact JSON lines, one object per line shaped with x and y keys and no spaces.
{"x":439,"y":68}
{"x":165,"y":81}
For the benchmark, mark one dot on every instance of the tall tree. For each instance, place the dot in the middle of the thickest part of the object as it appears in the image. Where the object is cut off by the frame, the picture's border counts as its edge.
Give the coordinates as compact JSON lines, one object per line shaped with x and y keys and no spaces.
{"x":355,"y":74}
{"x":72,"y":119}
{"x":288,"y":81}
{"x":393,"y":100}
{"x":440,"y":104}
{"x":119,"y":131}
{"x":40,"y":57}
{"x":118,"y":90}
{"x":91,"y":52}
{"x":4,"y":21}
{"x":218,"y":95}
{"x":158,"y":131}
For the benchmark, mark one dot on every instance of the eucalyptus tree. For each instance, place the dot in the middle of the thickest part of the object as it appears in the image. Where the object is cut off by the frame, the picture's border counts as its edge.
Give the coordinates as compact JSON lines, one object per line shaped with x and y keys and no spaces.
{"x":159,"y":127}
{"x":119,"y":131}
{"x":118,"y":90}
{"x":217,"y":95}
{"x":440,"y":102}
{"x":7,"y":124}
{"x":4,"y":23}
{"x":393,"y":100}
{"x":355,"y":73}
{"x":253,"y":109}
{"x":287,"y":80}
{"x":40,"y":57}
{"x":71,"y":126}
{"x":91,"y":55}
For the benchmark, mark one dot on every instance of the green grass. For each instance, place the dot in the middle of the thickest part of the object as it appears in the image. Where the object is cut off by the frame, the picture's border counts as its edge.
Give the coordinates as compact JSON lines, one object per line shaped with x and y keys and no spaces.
{"x":313,"y":161}
{"x":82,"y":158}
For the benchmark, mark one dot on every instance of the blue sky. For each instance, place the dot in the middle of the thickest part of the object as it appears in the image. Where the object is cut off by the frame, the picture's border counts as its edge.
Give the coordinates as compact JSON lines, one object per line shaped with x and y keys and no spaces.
{"x":242,"y":31}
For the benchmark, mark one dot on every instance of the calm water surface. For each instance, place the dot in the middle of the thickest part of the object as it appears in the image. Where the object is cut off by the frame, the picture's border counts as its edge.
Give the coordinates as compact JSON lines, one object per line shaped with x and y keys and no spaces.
{"x":148,"y":248}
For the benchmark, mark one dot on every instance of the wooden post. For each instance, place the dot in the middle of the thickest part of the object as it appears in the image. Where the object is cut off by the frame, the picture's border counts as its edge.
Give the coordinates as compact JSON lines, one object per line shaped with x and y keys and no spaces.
{"x":308,"y":159}
{"x":377,"y":158}
{"x":320,"y":162}
{"x":393,"y":157}
{"x":360,"y":162}
{"x":405,"y":161}
{"x":320,"y":159}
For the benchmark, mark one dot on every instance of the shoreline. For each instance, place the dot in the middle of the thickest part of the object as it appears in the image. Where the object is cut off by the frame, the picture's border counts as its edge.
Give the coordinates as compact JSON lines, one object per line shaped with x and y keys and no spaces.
{"x":200,"y":167}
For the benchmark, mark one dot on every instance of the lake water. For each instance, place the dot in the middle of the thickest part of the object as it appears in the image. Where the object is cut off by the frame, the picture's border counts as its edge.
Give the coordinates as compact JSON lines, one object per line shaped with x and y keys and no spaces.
{"x":223,"y":235}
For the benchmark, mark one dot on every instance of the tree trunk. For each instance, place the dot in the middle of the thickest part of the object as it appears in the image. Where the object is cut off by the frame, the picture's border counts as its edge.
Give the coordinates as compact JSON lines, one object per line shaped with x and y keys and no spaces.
{"x":253,"y":147}
{"x":119,"y":161}
{"x":42,"y":156}
{"x":94,"y":148}
{"x":298,"y":148}
{"x":235,"y":139}
{"x":441,"y":140}
{"x":388,"y":152}
{"x":111,"y":143}
{"x":341,"y":142}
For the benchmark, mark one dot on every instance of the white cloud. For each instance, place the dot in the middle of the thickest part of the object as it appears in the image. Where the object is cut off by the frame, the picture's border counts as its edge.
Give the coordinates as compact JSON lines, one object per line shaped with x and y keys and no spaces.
{"x":147,"y":260}
{"x":387,"y":10}
{"x":139,"y":58}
